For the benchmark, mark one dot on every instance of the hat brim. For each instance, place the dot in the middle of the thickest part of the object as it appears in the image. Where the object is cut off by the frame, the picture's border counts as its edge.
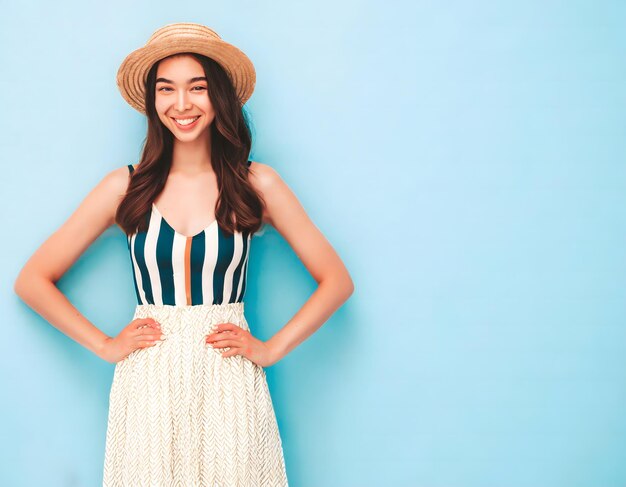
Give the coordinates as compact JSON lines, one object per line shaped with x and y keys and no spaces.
{"x":133,"y":72}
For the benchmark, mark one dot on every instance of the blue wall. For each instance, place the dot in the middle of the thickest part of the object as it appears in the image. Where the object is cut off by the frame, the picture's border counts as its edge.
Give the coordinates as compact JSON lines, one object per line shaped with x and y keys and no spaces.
{"x":466,"y":160}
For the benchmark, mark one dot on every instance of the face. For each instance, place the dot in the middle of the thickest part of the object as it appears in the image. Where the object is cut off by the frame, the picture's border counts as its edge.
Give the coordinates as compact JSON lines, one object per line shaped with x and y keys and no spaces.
{"x":181,"y":97}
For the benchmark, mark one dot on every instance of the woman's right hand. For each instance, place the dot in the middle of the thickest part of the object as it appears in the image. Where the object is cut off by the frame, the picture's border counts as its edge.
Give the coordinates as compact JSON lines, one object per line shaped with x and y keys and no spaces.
{"x":139,"y":333}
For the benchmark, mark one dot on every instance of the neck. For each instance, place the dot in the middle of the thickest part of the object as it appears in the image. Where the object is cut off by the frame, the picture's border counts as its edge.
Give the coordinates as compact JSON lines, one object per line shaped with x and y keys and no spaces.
{"x":193,"y":156}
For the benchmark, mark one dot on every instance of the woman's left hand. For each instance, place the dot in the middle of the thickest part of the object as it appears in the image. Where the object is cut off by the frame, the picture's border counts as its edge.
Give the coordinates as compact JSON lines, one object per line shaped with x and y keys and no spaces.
{"x":241,"y":342}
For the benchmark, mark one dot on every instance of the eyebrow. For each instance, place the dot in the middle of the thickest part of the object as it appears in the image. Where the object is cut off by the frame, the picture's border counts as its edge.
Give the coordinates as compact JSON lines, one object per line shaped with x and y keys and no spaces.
{"x":192,"y":80}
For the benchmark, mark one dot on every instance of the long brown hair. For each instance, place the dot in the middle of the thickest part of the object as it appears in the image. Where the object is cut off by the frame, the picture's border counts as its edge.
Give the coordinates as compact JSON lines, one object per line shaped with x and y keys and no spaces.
{"x":239,"y":207}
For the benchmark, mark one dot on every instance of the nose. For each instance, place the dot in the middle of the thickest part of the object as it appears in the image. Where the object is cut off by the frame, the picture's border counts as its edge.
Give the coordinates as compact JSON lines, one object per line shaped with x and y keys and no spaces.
{"x":182,"y":103}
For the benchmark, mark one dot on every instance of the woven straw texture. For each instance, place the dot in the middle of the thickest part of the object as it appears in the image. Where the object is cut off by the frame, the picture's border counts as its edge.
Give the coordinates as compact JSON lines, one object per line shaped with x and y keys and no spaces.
{"x":180,"y":414}
{"x":132,"y":74}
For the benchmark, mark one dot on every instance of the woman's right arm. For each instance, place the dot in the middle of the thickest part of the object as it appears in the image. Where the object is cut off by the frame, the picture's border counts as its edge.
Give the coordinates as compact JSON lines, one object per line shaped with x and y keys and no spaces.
{"x":36,"y":281}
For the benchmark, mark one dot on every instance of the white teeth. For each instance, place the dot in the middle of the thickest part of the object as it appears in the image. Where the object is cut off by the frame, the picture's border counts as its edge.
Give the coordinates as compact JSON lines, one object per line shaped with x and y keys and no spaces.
{"x":186,"y":121}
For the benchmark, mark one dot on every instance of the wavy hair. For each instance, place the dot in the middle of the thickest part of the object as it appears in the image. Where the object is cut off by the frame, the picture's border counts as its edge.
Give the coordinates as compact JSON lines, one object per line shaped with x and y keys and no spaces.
{"x":239,"y":207}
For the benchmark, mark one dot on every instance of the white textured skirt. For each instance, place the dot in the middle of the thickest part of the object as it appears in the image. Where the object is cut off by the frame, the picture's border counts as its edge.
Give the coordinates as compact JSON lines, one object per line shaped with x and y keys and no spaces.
{"x":180,"y":414}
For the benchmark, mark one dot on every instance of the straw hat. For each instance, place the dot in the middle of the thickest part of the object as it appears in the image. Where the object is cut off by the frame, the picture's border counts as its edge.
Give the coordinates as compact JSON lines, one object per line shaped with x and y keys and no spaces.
{"x":183,"y":37}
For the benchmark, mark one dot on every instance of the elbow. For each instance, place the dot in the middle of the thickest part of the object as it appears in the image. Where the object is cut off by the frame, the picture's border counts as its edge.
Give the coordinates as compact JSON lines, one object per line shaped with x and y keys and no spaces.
{"x":350,"y":287}
{"x":18,"y":284}
{"x":341,"y":282}
{"x":23,"y":283}
{"x":17,"y":287}
{"x":347,"y":286}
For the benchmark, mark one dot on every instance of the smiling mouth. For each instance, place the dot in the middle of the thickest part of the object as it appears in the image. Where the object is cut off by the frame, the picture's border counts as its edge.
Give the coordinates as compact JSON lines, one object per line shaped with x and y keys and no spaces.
{"x":186,"y":122}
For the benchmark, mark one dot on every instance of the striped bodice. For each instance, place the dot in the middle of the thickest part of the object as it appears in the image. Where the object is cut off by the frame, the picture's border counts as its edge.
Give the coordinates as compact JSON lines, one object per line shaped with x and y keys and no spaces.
{"x":170,"y":268}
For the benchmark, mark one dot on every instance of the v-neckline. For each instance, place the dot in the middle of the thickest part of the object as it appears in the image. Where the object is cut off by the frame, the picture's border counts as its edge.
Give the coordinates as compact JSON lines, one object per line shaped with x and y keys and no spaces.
{"x":154,"y":207}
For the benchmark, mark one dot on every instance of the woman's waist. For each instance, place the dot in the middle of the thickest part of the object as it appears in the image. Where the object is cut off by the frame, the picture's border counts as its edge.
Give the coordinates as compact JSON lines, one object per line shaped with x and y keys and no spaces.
{"x":197,"y":318}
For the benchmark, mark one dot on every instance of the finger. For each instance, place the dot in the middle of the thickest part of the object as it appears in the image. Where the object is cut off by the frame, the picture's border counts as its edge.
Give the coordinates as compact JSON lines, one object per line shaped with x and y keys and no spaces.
{"x":150,"y":336}
{"x":232,"y":352}
{"x":146,"y":329}
{"x":227,"y":326}
{"x":226,"y":343}
{"x":221,"y":335}
{"x":146,"y":343}
{"x":235,"y":332}
{"x":219,"y":339}
{"x":140,"y":323}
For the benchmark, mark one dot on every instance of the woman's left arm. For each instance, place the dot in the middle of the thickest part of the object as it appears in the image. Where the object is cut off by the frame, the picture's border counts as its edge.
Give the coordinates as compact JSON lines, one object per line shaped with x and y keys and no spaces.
{"x":335,"y":286}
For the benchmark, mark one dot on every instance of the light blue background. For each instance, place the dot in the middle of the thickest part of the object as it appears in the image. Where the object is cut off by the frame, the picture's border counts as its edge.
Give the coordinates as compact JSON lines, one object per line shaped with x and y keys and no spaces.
{"x":465,"y":159}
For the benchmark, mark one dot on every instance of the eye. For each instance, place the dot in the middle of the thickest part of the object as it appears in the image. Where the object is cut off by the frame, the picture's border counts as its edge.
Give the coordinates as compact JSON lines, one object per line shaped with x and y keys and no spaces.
{"x":168,"y":88}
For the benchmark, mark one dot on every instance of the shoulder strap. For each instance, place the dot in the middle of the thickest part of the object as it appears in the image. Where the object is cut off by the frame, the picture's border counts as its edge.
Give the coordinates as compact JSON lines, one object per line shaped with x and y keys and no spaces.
{"x":130,"y":168}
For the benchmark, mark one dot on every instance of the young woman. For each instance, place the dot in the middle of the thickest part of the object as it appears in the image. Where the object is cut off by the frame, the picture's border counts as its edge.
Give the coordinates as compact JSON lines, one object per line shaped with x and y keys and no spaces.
{"x":189,"y":403}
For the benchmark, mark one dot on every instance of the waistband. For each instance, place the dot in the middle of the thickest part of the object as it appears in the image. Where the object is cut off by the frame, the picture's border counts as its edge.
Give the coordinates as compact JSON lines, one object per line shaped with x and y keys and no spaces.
{"x":190,"y":308}
{"x":195,"y":319}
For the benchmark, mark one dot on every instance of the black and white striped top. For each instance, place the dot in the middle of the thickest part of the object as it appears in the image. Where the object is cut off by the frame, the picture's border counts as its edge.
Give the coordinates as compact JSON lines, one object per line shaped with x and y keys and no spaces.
{"x":170,"y":268}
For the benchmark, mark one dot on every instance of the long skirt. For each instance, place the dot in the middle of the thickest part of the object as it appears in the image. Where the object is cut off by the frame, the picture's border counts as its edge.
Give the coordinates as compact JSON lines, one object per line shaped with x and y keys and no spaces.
{"x":180,"y":414}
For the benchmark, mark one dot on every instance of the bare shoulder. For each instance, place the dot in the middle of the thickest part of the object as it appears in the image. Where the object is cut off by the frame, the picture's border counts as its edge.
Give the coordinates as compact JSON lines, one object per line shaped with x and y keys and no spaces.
{"x":94,"y":214}
{"x":282,"y":209}
{"x":288,"y":216}
{"x":120,"y":177}
{"x":269,"y":184}
{"x":263,"y":176}
{"x":114,"y":185}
